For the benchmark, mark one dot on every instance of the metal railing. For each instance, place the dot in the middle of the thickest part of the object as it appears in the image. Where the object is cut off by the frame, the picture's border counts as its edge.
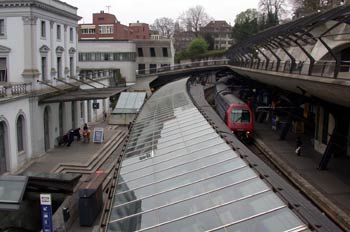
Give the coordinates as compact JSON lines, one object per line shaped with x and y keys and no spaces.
{"x":204,"y":63}
{"x":320,"y":68}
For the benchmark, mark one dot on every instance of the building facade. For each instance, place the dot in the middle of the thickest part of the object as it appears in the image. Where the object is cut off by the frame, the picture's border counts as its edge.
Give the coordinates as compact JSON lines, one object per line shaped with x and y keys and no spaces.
{"x":221,"y":32}
{"x":153,"y":54}
{"x":38,"y":57}
{"x":112,"y":57}
{"x":183,"y":39}
{"x":105,"y":26}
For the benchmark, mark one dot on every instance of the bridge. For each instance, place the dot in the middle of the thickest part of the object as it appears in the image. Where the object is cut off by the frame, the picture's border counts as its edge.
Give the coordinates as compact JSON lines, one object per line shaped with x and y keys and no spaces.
{"x":309,"y":56}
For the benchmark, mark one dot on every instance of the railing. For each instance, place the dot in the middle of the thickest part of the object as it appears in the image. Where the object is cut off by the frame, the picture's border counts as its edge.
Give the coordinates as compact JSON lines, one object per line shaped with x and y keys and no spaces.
{"x":8,"y":89}
{"x":204,"y":63}
{"x":320,"y":68}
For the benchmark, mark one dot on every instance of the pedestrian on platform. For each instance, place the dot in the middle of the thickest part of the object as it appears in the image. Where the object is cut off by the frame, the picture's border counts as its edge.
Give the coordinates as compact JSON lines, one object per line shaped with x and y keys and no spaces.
{"x":104,"y":115}
{"x":70,"y":137}
{"x":299,"y":144}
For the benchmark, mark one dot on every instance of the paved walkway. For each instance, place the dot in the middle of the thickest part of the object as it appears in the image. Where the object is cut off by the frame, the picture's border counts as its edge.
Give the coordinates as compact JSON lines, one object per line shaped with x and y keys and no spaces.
{"x":78,"y":152}
{"x":333,"y":183}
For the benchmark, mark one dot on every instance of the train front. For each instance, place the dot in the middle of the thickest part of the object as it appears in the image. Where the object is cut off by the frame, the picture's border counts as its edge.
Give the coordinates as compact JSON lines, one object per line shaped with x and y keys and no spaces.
{"x":240,"y":120}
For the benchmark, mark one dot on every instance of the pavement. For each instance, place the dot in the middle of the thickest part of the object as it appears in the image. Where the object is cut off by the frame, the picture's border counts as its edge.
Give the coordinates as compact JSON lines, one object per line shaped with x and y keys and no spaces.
{"x":78,"y":152}
{"x":330,"y":187}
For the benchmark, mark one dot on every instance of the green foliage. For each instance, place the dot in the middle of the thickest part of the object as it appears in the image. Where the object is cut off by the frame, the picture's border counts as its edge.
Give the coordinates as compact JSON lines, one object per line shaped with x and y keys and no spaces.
{"x":183,"y":55}
{"x":210,"y":40}
{"x":246,"y":25}
{"x":197,"y":46}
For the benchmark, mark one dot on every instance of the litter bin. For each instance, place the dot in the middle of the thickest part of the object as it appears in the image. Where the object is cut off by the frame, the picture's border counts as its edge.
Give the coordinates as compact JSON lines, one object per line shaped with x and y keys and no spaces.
{"x":91,"y":199}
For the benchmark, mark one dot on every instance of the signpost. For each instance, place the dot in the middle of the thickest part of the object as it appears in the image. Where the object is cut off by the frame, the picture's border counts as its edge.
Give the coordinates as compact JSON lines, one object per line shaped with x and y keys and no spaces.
{"x":98,"y":135}
{"x":46,"y":212}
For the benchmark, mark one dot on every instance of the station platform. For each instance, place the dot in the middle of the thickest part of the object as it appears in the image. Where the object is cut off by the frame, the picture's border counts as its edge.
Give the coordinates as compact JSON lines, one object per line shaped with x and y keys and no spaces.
{"x":78,"y":152}
{"x":330,"y":187}
{"x":85,"y":159}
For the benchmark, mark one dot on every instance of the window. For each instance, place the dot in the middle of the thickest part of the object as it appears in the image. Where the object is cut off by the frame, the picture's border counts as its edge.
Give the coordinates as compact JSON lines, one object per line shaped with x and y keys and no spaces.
{"x":142,"y":68}
{"x":43,"y":68}
{"x":241,"y":116}
{"x":58,"y":31}
{"x":140,"y":52}
{"x":165,"y":52}
{"x":71,"y":66}
{"x":43,"y":29}
{"x":116,"y":56}
{"x":59,"y":65}
{"x":20,"y":133}
{"x":153,"y":52}
{"x":2,"y":27}
{"x":88,"y":31}
{"x":71,"y":36}
{"x":106,"y":29}
{"x":152,"y":68}
{"x":3,"y":69}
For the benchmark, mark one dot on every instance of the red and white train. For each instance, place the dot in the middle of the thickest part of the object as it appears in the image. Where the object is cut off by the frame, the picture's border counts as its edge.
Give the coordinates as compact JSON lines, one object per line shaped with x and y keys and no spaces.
{"x":237,"y":114}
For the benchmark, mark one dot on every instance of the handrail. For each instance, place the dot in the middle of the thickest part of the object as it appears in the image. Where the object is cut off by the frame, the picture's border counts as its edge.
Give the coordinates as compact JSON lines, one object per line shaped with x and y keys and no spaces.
{"x":322,"y":68}
{"x":183,"y":66}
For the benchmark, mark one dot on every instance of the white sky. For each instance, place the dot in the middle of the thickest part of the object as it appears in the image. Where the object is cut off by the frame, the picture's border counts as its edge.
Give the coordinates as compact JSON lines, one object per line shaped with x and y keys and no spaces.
{"x":129,"y":11}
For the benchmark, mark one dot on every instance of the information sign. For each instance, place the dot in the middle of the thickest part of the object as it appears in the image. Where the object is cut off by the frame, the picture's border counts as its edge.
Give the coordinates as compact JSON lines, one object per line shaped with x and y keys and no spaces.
{"x":98,"y":135}
{"x":46,"y":212}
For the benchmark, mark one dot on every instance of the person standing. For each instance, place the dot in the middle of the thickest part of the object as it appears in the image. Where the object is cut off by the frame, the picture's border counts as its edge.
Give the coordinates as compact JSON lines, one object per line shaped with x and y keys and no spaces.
{"x":299,"y":144}
{"x":104,"y":115}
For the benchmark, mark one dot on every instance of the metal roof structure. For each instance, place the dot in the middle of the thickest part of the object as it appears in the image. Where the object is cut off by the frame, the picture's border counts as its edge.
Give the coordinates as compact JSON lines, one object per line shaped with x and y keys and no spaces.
{"x":83,"y":94}
{"x":179,"y":175}
{"x":129,"y":103}
{"x":298,"y":32}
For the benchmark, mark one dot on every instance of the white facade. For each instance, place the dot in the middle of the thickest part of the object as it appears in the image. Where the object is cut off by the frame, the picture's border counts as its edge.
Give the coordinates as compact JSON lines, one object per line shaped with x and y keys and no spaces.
{"x":39,"y":41}
{"x":153,"y":54}
{"x":120,"y":57}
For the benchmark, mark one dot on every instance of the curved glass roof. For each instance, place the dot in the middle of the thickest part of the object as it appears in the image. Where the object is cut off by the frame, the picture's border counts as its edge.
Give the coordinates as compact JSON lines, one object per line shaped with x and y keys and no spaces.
{"x":179,"y":175}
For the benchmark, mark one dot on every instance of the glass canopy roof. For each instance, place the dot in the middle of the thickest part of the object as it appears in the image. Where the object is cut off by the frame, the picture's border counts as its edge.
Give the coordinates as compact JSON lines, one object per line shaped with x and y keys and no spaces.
{"x":179,"y":175}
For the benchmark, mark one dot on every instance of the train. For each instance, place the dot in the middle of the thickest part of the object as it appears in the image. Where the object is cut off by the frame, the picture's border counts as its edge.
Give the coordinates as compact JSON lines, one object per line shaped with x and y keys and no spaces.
{"x":236,"y":114}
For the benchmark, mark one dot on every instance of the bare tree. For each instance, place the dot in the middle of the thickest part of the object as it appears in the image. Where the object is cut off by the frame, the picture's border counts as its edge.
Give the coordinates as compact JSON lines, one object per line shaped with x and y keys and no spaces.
{"x":194,"y":18}
{"x":273,"y":11}
{"x":165,"y":26}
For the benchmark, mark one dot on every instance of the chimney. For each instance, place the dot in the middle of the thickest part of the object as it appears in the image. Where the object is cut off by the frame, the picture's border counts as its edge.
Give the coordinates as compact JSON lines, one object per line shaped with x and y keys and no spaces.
{"x":102,"y":12}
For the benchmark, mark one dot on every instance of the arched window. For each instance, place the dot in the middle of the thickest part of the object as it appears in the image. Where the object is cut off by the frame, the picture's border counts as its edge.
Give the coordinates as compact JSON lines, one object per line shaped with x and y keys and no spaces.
{"x":3,"y":137}
{"x":20,"y":133}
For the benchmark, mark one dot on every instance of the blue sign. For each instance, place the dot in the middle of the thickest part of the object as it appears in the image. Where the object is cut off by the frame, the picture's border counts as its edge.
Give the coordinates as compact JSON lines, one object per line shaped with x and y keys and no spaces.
{"x":46,"y":212}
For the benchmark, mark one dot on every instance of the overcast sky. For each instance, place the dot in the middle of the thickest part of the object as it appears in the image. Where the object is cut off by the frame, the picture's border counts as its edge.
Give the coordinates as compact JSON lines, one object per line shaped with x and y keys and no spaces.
{"x":128,"y":11}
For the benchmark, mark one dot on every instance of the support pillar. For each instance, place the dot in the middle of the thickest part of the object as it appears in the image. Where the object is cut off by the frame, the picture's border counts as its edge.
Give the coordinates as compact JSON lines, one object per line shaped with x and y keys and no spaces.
{"x":30,"y":48}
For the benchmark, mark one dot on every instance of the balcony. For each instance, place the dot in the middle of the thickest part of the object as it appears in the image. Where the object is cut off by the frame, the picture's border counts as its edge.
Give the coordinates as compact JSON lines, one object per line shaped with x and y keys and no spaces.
{"x":11,"y":90}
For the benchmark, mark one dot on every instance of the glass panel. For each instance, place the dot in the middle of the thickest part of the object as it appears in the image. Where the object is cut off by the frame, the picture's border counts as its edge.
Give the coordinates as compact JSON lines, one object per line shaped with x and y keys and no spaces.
{"x":12,"y":188}
{"x":239,"y":115}
{"x":238,"y":191}
{"x":184,"y":208}
{"x":197,"y":223}
{"x":249,"y":207}
{"x":172,"y":168}
{"x":229,"y":178}
{"x":280,"y":220}
{"x":134,"y":223}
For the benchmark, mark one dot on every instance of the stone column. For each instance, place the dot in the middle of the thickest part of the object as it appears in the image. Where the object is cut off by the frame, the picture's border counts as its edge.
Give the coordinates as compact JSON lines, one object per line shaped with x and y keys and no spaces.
{"x":30,"y":47}
{"x":66,"y":52}
{"x":53,"y":51}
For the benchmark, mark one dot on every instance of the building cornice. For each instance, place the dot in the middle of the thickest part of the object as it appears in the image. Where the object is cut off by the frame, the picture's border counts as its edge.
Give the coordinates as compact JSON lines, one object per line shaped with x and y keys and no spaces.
{"x":39,"y":5}
{"x":4,"y":49}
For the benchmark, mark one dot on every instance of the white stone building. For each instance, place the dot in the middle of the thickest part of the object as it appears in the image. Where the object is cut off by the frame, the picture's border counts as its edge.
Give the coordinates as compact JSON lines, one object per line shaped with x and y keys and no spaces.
{"x":114,"y":57}
{"x":154,"y":54}
{"x":38,"y":44}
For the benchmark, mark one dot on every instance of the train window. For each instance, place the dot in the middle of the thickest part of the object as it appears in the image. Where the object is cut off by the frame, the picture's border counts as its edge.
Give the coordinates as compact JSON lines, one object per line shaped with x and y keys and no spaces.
{"x":240,"y":116}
